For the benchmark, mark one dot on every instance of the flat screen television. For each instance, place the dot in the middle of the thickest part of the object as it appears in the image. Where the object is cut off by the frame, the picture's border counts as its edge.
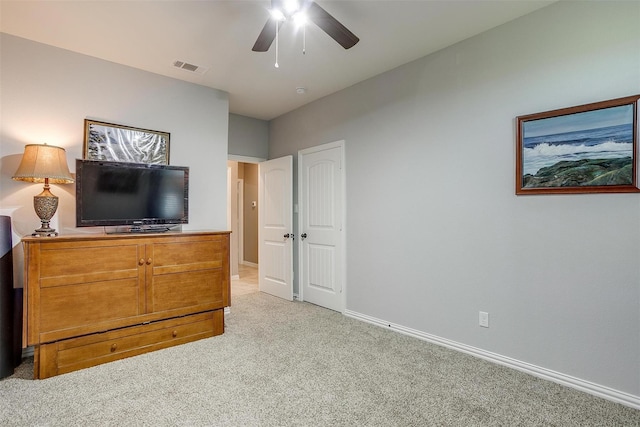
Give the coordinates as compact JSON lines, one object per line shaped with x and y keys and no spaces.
{"x":142,"y":196}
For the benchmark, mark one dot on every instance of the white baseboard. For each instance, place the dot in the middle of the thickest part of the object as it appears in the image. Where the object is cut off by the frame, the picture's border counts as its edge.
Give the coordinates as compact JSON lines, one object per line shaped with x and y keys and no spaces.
{"x":249,"y":263}
{"x":537,"y":371}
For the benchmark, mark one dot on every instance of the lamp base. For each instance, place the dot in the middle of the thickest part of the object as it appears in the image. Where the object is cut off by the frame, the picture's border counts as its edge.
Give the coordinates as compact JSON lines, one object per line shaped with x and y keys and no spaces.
{"x":45,"y":205}
{"x":44,"y":232}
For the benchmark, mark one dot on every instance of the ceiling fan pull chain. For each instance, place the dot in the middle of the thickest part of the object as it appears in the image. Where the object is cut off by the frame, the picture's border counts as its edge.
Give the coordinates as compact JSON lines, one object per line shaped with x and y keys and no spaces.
{"x":304,"y":39}
{"x":277,"y":25}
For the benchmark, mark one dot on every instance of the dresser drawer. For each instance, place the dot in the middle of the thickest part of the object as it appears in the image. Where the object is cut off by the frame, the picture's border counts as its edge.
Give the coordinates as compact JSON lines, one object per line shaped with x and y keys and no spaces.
{"x":77,"y":353}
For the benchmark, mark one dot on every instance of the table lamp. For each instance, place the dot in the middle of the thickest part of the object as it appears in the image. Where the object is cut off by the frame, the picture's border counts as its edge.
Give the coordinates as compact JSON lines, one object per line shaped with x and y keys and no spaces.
{"x":48,"y":164}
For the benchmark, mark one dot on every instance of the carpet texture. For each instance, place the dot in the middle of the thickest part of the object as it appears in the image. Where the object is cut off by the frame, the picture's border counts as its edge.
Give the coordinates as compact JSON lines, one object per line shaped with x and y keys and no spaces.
{"x":295,"y":364}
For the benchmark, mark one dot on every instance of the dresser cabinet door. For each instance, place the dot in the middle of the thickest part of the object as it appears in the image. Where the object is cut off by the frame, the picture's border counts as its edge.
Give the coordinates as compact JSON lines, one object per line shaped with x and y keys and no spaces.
{"x":80,"y":289}
{"x":189,"y":275}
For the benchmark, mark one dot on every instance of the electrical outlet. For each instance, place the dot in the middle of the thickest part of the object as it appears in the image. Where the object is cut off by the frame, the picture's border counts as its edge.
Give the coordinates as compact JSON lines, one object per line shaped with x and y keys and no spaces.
{"x":484,"y":319}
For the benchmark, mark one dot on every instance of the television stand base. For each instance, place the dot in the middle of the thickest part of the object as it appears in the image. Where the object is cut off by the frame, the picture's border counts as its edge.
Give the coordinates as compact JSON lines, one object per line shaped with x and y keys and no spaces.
{"x":144,"y":229}
{"x":149,"y":229}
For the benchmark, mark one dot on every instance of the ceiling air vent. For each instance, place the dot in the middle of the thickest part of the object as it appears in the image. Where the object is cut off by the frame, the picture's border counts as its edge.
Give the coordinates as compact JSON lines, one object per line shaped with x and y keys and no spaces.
{"x":190,"y":67}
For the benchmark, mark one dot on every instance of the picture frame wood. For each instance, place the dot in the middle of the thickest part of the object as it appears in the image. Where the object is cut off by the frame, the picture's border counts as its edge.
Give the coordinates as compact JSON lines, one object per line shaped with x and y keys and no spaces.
{"x":590,"y":148}
{"x":113,"y":142}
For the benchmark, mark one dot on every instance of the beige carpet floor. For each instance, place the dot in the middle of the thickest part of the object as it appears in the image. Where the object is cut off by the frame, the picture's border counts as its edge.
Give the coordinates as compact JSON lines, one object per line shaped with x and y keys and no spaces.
{"x":285,"y":363}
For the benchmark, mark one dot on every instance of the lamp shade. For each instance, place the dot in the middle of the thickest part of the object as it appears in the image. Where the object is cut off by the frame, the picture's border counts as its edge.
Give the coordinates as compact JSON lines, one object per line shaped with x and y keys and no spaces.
{"x":41,"y":161}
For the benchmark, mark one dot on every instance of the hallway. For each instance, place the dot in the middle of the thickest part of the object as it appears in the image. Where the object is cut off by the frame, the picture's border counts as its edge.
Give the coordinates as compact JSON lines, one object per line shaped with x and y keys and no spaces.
{"x":247,"y":283}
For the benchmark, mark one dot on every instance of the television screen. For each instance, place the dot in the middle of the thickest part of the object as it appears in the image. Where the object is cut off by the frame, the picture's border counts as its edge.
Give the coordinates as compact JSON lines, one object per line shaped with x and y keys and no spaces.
{"x":119,"y":193}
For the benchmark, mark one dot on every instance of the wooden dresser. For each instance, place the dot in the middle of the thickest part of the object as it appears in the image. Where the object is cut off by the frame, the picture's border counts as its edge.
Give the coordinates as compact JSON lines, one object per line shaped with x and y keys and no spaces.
{"x":92,"y":299}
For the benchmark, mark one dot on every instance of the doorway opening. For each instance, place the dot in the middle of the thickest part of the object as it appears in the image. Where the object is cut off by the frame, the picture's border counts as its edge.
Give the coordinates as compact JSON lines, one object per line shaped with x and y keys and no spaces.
{"x":243,"y":222}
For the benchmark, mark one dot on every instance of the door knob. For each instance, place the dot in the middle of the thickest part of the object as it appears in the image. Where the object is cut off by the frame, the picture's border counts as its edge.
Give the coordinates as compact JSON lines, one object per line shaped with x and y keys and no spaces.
{"x":303,"y":236}
{"x":286,"y":236}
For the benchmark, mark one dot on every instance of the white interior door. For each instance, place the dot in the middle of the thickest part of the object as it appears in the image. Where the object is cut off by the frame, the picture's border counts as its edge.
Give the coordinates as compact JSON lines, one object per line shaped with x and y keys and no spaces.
{"x":275,"y":250}
{"x":321,"y":221}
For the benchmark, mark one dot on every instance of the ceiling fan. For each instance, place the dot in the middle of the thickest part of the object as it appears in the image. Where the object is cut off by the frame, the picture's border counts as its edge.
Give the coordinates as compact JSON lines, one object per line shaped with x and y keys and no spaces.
{"x":283,"y":10}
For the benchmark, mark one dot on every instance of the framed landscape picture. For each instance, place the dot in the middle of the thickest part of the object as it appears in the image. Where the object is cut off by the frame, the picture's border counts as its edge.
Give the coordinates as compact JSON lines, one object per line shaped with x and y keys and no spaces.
{"x":111,"y":142}
{"x":590,"y":148}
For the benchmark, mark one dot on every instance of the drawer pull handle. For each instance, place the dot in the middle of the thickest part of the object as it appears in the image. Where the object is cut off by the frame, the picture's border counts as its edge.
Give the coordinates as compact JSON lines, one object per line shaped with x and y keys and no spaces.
{"x":141,"y":262}
{"x":114,"y":347}
{"x":175,"y":334}
{"x":149,"y":261}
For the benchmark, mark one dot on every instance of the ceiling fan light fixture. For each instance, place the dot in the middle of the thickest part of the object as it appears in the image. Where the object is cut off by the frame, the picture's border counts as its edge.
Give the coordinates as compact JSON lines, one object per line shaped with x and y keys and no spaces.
{"x":300,"y":18}
{"x":291,"y":6}
{"x":315,"y":14}
{"x":277,"y":14}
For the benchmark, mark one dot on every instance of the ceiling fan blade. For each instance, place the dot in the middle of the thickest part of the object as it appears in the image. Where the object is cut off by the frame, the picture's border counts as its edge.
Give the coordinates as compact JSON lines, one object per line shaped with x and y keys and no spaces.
{"x":331,"y":26}
{"x":266,"y":37}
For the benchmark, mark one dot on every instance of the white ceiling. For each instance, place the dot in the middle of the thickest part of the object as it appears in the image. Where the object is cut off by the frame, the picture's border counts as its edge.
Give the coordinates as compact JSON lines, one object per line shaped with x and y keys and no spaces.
{"x":218,"y":35}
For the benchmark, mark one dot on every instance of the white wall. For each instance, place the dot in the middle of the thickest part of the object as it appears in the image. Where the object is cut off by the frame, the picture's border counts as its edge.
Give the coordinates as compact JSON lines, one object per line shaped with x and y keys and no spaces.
{"x":48,"y":92}
{"x":435,"y":233}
